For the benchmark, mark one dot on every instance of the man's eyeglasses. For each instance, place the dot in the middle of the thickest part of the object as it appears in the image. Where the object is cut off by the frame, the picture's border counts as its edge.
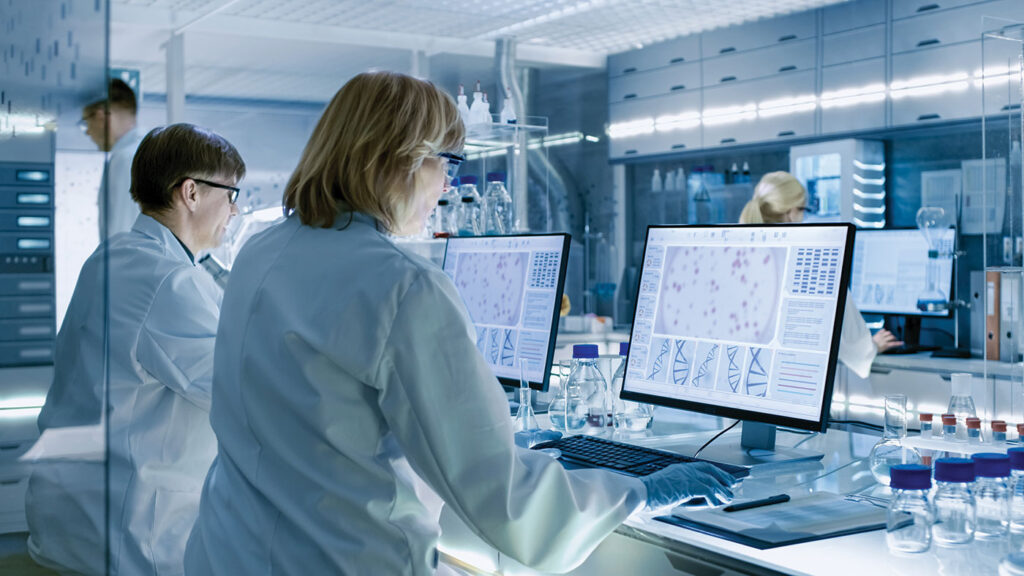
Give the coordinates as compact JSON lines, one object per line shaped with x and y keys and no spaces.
{"x":453,"y":161}
{"x":232,"y":191}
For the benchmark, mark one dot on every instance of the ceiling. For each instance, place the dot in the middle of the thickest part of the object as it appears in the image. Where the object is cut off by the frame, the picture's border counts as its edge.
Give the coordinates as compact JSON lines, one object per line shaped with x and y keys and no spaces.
{"x":305,"y":49}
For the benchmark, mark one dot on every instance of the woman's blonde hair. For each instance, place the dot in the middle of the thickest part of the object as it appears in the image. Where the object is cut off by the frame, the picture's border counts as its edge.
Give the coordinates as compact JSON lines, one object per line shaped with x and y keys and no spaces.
{"x":368,"y":145}
{"x":776,"y":194}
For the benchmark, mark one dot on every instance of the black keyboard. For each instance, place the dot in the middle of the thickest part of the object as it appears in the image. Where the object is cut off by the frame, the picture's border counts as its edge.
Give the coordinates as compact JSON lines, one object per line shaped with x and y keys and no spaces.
{"x":629,"y":459}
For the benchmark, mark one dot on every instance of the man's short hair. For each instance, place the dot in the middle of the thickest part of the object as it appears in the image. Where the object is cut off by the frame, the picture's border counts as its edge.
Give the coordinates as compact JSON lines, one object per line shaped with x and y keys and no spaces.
{"x":120,"y":96}
{"x":170,"y":154}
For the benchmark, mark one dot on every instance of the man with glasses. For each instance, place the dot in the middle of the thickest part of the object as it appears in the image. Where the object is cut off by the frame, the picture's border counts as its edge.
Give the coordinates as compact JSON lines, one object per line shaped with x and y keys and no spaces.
{"x":137,"y":345}
{"x":111,"y":124}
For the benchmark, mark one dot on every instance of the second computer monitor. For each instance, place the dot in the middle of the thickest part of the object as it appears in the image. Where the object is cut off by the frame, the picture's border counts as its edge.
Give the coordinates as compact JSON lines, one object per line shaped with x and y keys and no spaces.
{"x":741,"y":321}
{"x":890,"y":270}
{"x":512,"y":287}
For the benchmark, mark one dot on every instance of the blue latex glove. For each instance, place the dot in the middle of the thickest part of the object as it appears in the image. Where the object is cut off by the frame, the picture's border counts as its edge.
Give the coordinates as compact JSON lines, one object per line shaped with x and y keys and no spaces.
{"x":527,"y":438}
{"x":679,"y":482}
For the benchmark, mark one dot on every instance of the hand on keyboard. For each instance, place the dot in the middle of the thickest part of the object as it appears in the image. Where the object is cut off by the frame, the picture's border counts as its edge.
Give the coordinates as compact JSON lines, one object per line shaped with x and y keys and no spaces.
{"x":678,"y":482}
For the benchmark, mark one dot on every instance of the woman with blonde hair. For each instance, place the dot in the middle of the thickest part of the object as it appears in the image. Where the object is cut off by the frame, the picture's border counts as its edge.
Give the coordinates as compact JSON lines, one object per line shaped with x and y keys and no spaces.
{"x":779,"y":198}
{"x":349,"y":399}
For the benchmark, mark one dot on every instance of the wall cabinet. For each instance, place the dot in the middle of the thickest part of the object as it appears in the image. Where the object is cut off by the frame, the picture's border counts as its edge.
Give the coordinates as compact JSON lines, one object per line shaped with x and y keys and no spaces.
{"x":851,"y":15}
{"x":677,"y":78}
{"x":792,"y":56}
{"x":799,"y":26}
{"x":859,"y":44}
{"x":677,"y":51}
{"x":855,"y":113}
{"x":945,"y":27}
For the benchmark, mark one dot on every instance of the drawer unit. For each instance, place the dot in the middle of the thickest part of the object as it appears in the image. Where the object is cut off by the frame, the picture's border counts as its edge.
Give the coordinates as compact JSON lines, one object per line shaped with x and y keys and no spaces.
{"x":911,"y":8}
{"x":24,"y":329}
{"x":31,"y":219}
{"x":27,"y":307}
{"x":864,"y":106}
{"x":15,"y":243}
{"x":963,"y":24}
{"x":26,"y":353}
{"x":26,"y":174}
{"x":678,"y":78}
{"x":660,"y":110}
{"x":859,"y":44}
{"x":799,"y":26}
{"x":26,"y":284}
{"x":851,"y":15}
{"x":765,"y":125}
{"x":657,"y":143}
{"x":26,"y":197}
{"x":794,"y":56}
{"x":676,"y":51}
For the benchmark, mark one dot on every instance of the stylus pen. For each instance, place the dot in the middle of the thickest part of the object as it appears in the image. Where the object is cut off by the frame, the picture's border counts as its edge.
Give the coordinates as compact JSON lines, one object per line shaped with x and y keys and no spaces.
{"x":777,"y":499}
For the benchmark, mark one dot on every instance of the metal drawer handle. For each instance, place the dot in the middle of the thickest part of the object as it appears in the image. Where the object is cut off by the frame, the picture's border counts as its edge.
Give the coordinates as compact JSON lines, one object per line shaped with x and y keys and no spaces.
{"x":728,"y":79}
{"x":927,"y":7}
{"x":728,"y":140}
{"x":677,"y":60}
{"x":880,"y":370}
{"x":628,"y":96}
{"x":928,"y":42}
{"x":789,"y":68}
{"x":10,"y":482}
{"x":727,"y":49}
{"x":678,"y":146}
{"x":9,"y":446}
{"x":630,"y":152}
{"x":1011,"y":107}
{"x":785,"y":133}
{"x":923,"y":117}
{"x":629,"y":70}
{"x":787,"y":38}
{"x":677,"y":87}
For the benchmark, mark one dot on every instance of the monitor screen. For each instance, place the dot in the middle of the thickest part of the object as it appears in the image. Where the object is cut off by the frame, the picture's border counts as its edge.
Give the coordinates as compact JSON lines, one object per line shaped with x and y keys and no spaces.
{"x":741,"y":321}
{"x":512,"y":288}
{"x":890,"y":270}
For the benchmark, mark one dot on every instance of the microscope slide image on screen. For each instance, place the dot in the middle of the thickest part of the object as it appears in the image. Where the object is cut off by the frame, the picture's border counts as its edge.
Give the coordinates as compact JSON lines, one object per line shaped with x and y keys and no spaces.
{"x":508,"y":285}
{"x":736,"y":320}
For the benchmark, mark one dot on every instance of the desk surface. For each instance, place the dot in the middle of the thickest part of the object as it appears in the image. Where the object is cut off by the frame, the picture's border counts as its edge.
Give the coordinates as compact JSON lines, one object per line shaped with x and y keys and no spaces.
{"x":645,"y":546}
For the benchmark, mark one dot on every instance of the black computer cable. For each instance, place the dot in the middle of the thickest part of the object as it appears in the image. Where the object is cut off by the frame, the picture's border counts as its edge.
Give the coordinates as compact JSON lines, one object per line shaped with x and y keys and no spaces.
{"x":715,"y":437}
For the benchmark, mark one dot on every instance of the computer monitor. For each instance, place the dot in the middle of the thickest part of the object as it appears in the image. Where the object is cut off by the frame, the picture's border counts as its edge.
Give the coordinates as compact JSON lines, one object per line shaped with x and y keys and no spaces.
{"x":890,"y":271}
{"x":512,"y":287}
{"x":742,"y":322}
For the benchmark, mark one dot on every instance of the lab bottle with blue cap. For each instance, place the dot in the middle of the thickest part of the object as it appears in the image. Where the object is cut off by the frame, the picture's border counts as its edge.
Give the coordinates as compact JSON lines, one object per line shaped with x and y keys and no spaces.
{"x":470,"y":207}
{"x":497,"y":205}
{"x":910,"y":517}
{"x":592,"y":385}
{"x":955,"y":511}
{"x":626,"y":415}
{"x":1017,"y":486}
{"x":568,"y":411}
{"x":992,"y":495}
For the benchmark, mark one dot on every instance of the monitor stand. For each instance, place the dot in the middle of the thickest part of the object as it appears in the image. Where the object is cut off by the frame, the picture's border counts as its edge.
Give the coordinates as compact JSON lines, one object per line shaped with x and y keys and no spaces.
{"x":756,"y":448}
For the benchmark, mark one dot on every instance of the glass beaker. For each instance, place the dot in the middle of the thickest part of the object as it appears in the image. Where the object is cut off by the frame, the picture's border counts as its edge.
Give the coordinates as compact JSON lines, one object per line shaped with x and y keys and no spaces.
{"x":568,"y":410}
{"x":890,"y":451}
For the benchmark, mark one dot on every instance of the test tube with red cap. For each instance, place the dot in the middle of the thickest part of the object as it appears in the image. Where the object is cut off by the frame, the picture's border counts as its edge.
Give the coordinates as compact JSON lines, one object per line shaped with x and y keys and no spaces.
{"x":999,"y":431}
{"x":949,"y":426}
{"x":925,"y":419}
{"x":973,"y":430}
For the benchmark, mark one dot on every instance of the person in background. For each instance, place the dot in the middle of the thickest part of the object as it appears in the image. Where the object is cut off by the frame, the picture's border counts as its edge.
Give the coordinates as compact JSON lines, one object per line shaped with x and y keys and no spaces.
{"x":135,"y":354}
{"x":111,"y":124}
{"x":779,"y":197}
{"x":349,"y":398}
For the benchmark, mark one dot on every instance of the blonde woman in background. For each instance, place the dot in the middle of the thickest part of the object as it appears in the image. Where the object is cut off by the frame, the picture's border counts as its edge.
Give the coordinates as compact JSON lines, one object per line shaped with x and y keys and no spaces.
{"x":780,"y":198}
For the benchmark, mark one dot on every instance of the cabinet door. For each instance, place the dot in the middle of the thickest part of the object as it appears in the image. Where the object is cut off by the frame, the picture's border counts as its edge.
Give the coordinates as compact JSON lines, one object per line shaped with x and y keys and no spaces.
{"x":911,"y":8}
{"x":851,"y":15}
{"x":791,"y":56}
{"x":676,"y":78}
{"x":859,"y":44}
{"x":676,"y":51}
{"x":963,"y":24}
{"x":853,"y":96}
{"x":748,"y":120}
{"x":799,"y":26}
{"x":665,"y":136}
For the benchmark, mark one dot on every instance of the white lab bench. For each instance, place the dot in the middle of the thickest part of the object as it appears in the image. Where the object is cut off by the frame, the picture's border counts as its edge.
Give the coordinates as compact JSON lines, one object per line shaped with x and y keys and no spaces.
{"x":643,"y":545}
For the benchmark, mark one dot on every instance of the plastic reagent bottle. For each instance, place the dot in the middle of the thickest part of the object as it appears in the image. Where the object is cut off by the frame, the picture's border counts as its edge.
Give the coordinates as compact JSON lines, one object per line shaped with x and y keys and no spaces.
{"x":497,"y":205}
{"x":627,"y":415}
{"x":461,"y":105}
{"x":1017,"y":485}
{"x":992,"y":494}
{"x":587,"y":377}
{"x":998,"y":431}
{"x":910,"y":485}
{"x":961,"y":403}
{"x":445,"y":213}
{"x":477,"y":106}
{"x":469,"y":207}
{"x":955,"y":512}
{"x":656,"y":185}
{"x":508,"y":112}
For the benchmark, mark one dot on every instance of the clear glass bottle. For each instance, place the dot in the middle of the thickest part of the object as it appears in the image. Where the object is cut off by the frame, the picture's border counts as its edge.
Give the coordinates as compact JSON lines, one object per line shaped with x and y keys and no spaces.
{"x":586,"y":375}
{"x":497,"y":205}
{"x":910,"y":517}
{"x":508,"y":111}
{"x":961,"y":402}
{"x":890,"y":449}
{"x":1012,"y":565}
{"x":469,"y":207}
{"x":626,"y":415}
{"x":992,"y":495}
{"x":955,"y":512}
{"x":568,"y":411}
{"x":445,"y":214}
{"x":1017,"y":486}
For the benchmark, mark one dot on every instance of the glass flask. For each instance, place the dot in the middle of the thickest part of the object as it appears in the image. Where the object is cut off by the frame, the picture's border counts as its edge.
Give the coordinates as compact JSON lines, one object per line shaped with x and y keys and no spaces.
{"x":933,"y":221}
{"x":525,"y":418}
{"x":910,"y":516}
{"x":568,"y":411}
{"x":890,"y":450}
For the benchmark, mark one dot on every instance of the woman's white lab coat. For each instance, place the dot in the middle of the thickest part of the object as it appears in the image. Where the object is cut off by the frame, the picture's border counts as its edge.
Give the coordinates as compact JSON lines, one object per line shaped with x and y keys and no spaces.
{"x":162,"y":322}
{"x":857,"y":349}
{"x":348,"y":394}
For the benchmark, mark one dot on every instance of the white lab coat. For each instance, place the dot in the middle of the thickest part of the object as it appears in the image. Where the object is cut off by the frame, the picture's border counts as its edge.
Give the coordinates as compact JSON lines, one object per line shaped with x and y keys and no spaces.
{"x":348,"y":392}
{"x":117,"y":210}
{"x":856,"y":347}
{"x":162,"y":322}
